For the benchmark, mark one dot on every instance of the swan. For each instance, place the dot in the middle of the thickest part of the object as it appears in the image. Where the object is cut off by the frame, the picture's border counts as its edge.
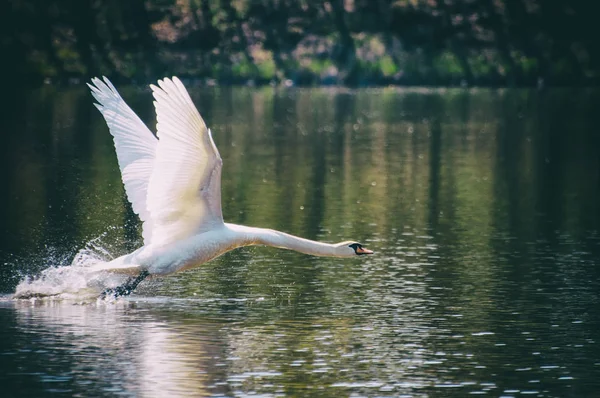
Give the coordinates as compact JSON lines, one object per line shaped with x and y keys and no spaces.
{"x":173,"y":181}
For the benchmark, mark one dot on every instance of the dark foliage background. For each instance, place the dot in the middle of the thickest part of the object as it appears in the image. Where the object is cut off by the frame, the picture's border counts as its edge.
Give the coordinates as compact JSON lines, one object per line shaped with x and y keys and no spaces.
{"x":353,"y":42}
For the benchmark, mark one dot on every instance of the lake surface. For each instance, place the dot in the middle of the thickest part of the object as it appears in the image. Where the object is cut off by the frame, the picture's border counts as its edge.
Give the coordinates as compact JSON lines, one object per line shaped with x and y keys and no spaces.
{"x":483,"y":208}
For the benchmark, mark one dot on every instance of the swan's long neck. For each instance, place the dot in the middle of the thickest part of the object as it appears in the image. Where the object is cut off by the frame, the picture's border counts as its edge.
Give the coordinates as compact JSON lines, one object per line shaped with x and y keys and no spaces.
{"x":270,"y":237}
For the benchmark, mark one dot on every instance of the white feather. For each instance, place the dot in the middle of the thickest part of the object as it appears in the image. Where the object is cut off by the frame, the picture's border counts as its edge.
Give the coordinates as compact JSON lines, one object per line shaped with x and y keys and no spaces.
{"x":184,"y":194}
{"x":135,"y":145}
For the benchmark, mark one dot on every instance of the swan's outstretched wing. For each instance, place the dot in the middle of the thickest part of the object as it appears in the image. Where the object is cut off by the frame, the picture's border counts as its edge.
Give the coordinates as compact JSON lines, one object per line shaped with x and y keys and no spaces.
{"x":184,"y":195}
{"x":135,"y":146}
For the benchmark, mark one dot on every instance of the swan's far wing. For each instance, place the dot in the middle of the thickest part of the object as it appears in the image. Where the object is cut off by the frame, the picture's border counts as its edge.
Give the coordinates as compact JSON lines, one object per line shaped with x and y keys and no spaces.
{"x":135,"y":145}
{"x":184,"y":195}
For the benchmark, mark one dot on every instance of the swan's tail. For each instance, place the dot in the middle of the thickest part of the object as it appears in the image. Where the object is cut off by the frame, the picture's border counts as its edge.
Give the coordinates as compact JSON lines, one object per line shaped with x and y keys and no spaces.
{"x":116,"y":267}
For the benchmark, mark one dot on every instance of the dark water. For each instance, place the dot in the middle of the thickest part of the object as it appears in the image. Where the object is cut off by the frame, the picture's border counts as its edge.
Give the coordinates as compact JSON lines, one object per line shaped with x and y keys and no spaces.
{"x":483,"y":208}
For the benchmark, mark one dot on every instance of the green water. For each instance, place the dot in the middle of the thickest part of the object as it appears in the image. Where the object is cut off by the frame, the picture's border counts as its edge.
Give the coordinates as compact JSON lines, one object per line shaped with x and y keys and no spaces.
{"x":483,"y":208}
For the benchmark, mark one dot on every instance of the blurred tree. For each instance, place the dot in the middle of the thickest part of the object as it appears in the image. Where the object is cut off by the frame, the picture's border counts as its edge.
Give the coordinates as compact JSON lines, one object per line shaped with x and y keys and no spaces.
{"x":348,"y":41}
{"x":345,"y":50}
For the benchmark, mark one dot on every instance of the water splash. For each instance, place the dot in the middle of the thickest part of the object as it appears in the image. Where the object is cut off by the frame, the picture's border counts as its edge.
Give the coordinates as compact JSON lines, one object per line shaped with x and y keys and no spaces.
{"x":72,"y":281}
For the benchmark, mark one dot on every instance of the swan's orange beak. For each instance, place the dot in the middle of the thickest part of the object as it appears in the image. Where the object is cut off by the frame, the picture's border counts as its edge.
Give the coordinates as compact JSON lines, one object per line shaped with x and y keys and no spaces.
{"x":362,"y":250}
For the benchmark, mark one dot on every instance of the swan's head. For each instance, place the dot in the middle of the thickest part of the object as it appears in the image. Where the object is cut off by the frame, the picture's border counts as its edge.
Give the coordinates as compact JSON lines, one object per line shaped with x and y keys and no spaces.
{"x":351,"y":249}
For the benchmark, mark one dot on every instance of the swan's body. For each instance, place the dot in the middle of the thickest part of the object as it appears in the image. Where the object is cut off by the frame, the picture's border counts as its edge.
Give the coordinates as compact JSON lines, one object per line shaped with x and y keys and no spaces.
{"x":174,"y":185}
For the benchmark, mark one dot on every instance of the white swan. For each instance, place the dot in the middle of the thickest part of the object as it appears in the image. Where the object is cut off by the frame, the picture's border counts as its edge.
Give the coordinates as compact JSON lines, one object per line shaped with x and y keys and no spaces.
{"x":174,"y":185}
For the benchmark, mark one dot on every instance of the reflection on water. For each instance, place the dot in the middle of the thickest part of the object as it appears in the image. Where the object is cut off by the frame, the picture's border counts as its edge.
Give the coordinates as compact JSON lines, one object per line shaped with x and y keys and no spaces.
{"x":118,"y":350}
{"x":483,"y":208}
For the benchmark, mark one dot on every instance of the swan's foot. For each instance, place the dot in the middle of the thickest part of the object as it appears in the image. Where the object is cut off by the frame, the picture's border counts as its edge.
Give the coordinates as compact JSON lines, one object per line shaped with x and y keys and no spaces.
{"x":126,"y":288}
